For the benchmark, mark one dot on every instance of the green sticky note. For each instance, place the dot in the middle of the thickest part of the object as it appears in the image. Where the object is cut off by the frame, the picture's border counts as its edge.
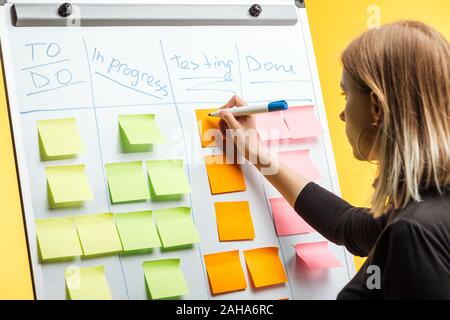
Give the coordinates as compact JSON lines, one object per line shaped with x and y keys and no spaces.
{"x":59,"y":139}
{"x":67,"y":186}
{"x":87,"y":283}
{"x":176,"y":227}
{"x":139,"y":132}
{"x":57,"y":239}
{"x":127,"y":182}
{"x":98,"y":234}
{"x":168,"y":181}
{"x":137,"y":230}
{"x":164,"y":279}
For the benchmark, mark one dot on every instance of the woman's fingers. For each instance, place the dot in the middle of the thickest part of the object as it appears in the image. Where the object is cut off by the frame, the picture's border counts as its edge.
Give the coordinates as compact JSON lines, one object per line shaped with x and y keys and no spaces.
{"x":230,"y":103}
{"x":230,"y":120}
{"x":235,"y":101}
{"x":238,"y":101}
{"x":239,"y":130}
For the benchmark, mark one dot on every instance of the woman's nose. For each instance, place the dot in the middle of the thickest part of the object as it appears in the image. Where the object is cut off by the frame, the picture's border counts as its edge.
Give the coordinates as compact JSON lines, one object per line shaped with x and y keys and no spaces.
{"x":342,"y":116}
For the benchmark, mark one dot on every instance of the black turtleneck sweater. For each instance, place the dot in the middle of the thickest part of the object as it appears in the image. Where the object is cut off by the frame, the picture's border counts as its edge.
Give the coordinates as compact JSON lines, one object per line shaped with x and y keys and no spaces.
{"x":411,"y":251}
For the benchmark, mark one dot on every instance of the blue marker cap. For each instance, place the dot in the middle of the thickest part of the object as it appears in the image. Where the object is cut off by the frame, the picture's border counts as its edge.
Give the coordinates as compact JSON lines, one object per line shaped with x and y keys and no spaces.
{"x":278,"y":106}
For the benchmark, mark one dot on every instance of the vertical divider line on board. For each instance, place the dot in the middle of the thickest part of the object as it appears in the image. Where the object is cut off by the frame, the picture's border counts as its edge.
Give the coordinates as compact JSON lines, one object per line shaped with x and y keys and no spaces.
{"x":301,"y":20}
{"x":105,"y":180}
{"x":186,"y":156}
{"x":269,"y":210}
{"x":240,"y":71}
{"x":266,"y":199}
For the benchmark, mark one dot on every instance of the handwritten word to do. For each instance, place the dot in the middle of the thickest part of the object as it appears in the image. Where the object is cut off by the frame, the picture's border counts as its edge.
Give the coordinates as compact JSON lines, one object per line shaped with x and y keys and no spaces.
{"x":52,"y":72}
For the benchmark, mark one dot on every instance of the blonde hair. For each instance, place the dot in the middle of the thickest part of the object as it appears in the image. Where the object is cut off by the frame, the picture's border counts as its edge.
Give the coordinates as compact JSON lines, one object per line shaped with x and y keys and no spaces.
{"x":406,"y":65}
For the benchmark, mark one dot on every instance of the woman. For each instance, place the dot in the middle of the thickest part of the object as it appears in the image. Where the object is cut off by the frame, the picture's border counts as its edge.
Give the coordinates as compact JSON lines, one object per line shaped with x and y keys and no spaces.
{"x":396,"y":81}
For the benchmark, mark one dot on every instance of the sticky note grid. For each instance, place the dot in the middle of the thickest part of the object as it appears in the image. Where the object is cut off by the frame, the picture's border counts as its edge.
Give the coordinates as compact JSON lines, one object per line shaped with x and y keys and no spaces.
{"x":106,"y":233}
{"x":98,"y":235}
{"x":169,"y":228}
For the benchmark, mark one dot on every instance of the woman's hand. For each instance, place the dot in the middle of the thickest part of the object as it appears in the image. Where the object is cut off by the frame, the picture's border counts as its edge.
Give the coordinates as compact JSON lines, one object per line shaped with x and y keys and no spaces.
{"x":242,"y":132}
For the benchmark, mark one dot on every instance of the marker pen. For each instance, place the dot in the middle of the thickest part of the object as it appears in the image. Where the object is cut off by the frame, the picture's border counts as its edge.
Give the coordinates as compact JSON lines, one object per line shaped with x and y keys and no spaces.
{"x":254,"y":108}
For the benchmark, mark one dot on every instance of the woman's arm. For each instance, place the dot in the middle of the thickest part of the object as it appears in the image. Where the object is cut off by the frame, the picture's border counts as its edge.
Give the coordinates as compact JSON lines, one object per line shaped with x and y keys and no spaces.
{"x":338,"y":221}
{"x":330,"y":215}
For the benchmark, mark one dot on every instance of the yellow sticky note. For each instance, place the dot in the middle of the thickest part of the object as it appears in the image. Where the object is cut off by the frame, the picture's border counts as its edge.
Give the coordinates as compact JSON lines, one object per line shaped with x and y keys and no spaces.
{"x":234,"y":221}
{"x":168,"y":180}
{"x":137,"y":230}
{"x":224,"y":177}
{"x":67,"y":186}
{"x":164,"y":279}
{"x":59,"y":139}
{"x":176,"y":227}
{"x":265,"y":267}
{"x":98,"y":234}
{"x":127,"y":182}
{"x":225,"y":272}
{"x":208,"y":127}
{"x":139,"y":132}
{"x":57,"y":239}
{"x":87,"y":283}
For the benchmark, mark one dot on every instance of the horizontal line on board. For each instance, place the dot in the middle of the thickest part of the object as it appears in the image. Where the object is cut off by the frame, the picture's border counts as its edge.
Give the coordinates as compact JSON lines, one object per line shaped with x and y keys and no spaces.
{"x":145,"y":104}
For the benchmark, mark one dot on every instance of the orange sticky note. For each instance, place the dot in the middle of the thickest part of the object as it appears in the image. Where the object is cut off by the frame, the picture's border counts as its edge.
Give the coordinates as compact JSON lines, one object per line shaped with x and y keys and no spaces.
{"x":224,"y":177}
{"x":234,"y":221}
{"x":208,"y":127}
{"x":265,"y":267}
{"x":225,"y":272}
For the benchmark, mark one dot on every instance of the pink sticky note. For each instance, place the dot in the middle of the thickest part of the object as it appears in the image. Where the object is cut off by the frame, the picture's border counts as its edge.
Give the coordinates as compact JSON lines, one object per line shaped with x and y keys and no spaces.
{"x":302,"y":122}
{"x":300,"y":162}
{"x":271,"y":126}
{"x":287,"y":221}
{"x":316,"y":255}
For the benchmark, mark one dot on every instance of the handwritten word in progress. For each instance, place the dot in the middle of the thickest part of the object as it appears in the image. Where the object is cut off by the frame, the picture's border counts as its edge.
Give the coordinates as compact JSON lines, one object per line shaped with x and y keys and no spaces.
{"x":124,"y":74}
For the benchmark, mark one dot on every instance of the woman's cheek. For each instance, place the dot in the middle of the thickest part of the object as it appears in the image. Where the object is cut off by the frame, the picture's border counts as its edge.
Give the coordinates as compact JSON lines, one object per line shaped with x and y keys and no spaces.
{"x":349,"y":133}
{"x":350,"y":125}
{"x":347,"y":121}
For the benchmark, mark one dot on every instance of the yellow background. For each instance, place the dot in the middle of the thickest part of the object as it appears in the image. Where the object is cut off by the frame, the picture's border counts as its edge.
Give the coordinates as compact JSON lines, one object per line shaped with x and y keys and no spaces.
{"x":333,"y":24}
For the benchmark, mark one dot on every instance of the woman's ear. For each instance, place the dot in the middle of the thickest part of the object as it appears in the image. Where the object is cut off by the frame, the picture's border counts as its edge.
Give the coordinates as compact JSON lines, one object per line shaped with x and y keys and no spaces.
{"x":375,"y":108}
